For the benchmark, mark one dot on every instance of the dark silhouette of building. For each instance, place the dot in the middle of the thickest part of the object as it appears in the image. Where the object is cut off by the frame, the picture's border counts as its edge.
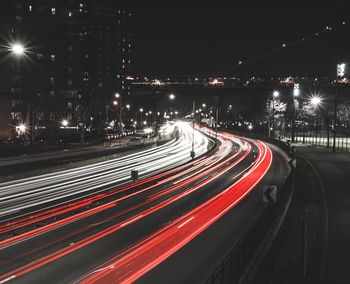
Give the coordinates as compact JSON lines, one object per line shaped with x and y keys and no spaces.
{"x":77,"y":55}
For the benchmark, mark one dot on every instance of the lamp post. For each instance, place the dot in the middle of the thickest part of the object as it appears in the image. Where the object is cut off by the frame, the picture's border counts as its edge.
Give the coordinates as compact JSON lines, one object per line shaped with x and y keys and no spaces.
{"x":341,"y":68}
{"x":275,"y":95}
{"x":18,"y":51}
{"x":193,"y":154}
{"x":296,"y":93}
{"x":141,"y":111}
{"x":315,"y":101}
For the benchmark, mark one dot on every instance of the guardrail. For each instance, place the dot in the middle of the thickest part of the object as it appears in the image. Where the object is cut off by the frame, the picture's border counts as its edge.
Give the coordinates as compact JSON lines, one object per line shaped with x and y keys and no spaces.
{"x":242,"y":262}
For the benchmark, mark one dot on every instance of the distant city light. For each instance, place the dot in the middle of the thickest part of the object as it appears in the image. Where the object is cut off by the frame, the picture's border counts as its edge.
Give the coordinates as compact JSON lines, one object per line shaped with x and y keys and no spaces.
{"x":117,"y":95}
{"x":284,"y":45}
{"x":141,"y":109}
{"x":172,"y":96}
{"x":276,"y":94}
{"x":127,"y":106}
{"x":216,"y":82}
{"x":250,"y":126}
{"x":204,"y":105}
{"x":115,"y":103}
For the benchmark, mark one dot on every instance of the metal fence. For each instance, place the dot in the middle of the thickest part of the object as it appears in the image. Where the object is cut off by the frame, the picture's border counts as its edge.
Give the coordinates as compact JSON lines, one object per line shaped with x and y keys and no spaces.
{"x":319,"y":136}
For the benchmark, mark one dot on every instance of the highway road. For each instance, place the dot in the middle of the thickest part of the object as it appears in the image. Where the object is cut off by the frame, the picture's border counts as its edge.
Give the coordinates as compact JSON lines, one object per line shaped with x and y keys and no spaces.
{"x":124,"y":234}
{"x":46,"y":190}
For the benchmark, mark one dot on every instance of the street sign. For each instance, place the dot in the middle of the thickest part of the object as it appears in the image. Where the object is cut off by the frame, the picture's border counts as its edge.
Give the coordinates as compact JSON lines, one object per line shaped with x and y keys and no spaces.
{"x":292,"y":163}
{"x":270,"y":194}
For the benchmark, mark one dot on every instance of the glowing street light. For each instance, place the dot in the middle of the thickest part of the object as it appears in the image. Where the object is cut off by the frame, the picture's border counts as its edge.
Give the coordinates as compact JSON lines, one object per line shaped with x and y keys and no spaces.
{"x":204,"y":105}
{"x":172,"y":97}
{"x":315,"y":101}
{"x":276,"y":94}
{"x":64,"y":123}
{"x":117,"y":95}
{"x":22,"y":128}
{"x":115,"y":103}
{"x":17,"y":49}
{"x":128,"y":106}
{"x":141,"y":109}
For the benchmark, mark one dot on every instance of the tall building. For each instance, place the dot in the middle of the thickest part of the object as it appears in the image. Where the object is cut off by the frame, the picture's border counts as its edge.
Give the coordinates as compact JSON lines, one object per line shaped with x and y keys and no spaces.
{"x":77,"y":55}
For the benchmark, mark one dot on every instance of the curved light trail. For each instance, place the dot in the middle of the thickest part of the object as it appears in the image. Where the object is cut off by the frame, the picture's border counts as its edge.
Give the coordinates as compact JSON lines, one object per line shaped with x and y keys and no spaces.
{"x":133,"y":227}
{"x":31,"y":192}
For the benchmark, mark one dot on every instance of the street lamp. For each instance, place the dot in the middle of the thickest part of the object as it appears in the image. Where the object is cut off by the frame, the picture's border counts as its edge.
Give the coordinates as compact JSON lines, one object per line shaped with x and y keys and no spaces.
{"x":17,"y":49}
{"x":64,"y":123}
{"x":22,"y":128}
{"x":315,"y":101}
{"x":115,"y":103}
{"x":128,"y":106}
{"x":172,"y":97}
{"x":141,"y":111}
{"x":341,"y":68}
{"x":275,"y":95}
{"x":296,"y":93}
{"x":117,"y":95}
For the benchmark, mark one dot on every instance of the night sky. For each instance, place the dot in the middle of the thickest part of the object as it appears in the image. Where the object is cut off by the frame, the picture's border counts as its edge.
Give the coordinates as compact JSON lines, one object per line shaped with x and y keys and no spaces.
{"x":174,"y":38}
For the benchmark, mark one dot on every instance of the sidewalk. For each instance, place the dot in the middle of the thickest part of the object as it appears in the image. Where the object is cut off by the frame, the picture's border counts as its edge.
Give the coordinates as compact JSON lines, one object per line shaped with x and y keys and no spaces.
{"x":298,"y":253}
{"x":334,"y":172}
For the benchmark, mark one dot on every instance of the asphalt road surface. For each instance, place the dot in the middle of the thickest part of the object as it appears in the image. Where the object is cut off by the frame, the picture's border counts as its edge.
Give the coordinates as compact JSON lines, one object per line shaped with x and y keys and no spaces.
{"x":172,"y":221}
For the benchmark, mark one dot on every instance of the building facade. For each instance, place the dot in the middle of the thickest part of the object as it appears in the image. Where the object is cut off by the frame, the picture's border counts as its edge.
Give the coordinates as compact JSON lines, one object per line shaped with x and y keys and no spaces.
{"x":77,"y":55}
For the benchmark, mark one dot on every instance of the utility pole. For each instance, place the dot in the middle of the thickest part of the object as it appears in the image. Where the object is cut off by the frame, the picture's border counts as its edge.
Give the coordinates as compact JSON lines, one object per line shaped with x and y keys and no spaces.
{"x":335,"y":117}
{"x":340,"y":74}
{"x":216,"y":122}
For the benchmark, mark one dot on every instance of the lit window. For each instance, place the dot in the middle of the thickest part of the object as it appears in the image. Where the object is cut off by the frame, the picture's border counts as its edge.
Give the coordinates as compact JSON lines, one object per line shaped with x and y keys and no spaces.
{"x":53,"y":57}
{"x":53,"y":11}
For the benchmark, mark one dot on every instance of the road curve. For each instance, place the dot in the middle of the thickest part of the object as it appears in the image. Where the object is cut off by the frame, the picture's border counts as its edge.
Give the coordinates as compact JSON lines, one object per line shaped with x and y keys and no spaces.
{"x":123,"y":233}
